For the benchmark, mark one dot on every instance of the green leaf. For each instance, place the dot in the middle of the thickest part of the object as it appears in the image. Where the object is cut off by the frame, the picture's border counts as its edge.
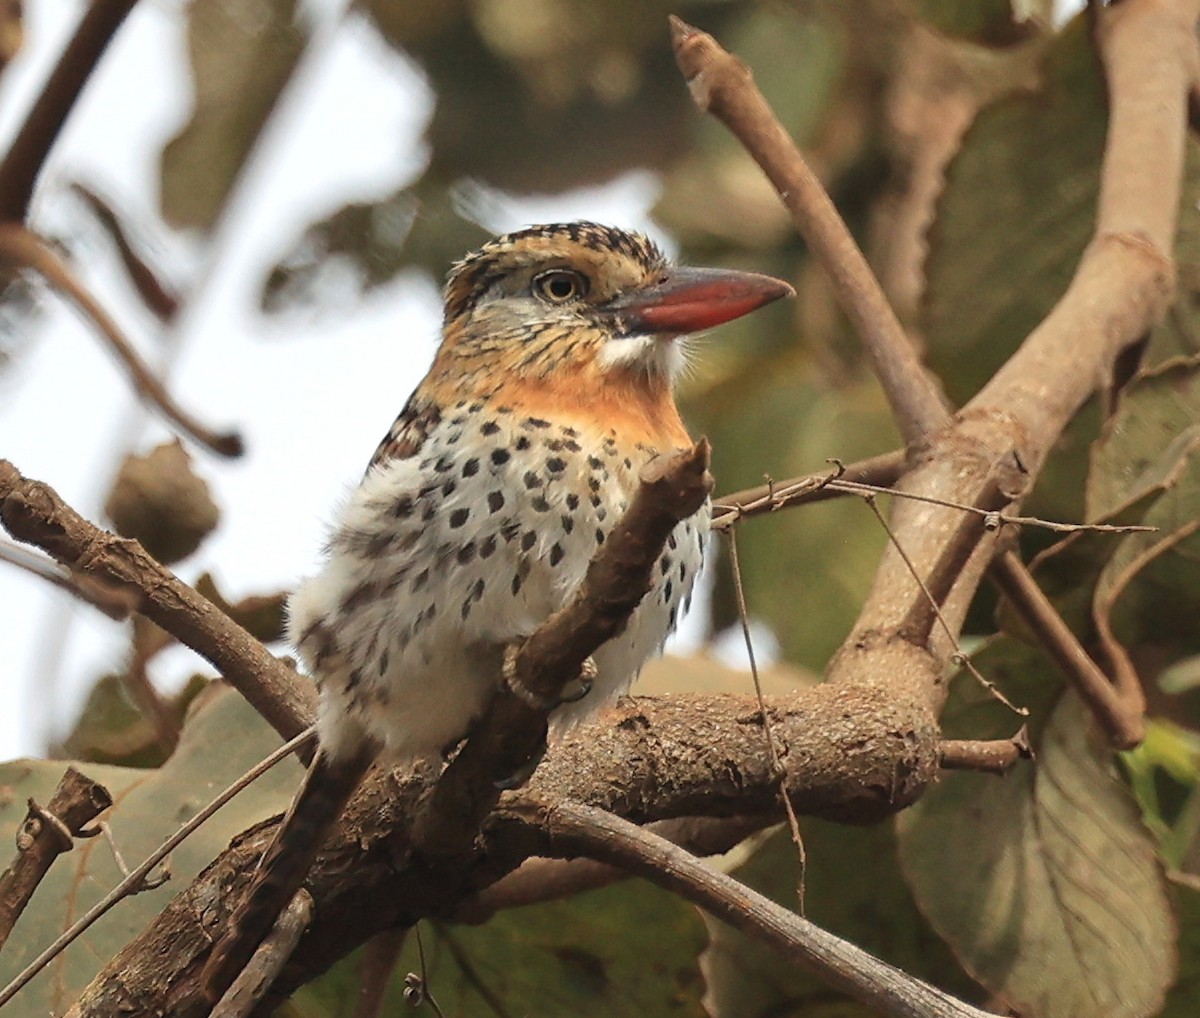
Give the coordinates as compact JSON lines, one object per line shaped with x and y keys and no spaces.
{"x":1006,"y":244}
{"x":628,"y":949}
{"x":224,"y":739}
{"x":1044,"y":883}
{"x":1184,"y":999}
{"x":853,"y":889}
{"x":243,"y":53}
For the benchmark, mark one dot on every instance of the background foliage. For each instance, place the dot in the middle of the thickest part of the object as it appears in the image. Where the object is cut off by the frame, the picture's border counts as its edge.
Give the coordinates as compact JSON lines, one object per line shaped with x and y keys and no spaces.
{"x":963,"y":148}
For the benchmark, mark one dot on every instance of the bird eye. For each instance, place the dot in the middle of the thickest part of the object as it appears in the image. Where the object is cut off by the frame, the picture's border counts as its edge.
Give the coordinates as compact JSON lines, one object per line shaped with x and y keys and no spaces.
{"x":560,"y":285}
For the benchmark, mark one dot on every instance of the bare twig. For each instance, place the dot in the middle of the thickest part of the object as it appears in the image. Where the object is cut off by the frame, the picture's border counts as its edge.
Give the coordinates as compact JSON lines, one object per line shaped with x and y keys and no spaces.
{"x":256,"y":978}
{"x":996,"y":756}
{"x":138,"y":876}
{"x":512,"y":732}
{"x":378,"y":964}
{"x":21,"y":248}
{"x":875,"y":477}
{"x":1122,"y":717}
{"x":574,"y":829}
{"x":47,"y":833}
{"x":21,"y":166}
{"x":879,"y":471}
{"x":788,"y":808}
{"x":116,"y":604}
{"x":155,"y":294}
{"x":32,"y":512}
{"x":723,"y":86}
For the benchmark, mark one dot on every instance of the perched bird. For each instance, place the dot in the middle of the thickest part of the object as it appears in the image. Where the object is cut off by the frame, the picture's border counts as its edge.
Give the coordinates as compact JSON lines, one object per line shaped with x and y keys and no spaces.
{"x":483,"y":506}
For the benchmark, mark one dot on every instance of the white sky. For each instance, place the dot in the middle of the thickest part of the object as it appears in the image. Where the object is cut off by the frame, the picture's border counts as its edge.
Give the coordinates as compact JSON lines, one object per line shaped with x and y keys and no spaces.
{"x":311,"y":401}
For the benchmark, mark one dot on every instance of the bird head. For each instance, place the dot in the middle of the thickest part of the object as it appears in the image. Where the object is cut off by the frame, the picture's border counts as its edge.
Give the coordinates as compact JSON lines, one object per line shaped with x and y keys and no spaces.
{"x":587,"y":303}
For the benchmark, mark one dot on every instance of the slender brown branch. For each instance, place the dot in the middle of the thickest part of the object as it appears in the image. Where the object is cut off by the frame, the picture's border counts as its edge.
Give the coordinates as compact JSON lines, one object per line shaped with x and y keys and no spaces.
{"x":114,"y":603}
{"x":512,"y":732}
{"x":1122,"y":717}
{"x":156,"y":295}
{"x":33,"y":513}
{"x":256,"y":978}
{"x":21,"y":248}
{"x":23,"y":163}
{"x":140,"y":688}
{"x":575,"y":829}
{"x":378,"y":965}
{"x":723,"y":86}
{"x":992,"y":756}
{"x":538,"y":880}
{"x":47,"y":833}
{"x":881,"y":471}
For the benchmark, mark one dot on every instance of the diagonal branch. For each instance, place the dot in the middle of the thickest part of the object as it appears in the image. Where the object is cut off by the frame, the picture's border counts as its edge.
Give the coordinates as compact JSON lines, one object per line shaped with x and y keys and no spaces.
{"x":577,"y":830}
{"x":32,"y":512}
{"x":46,"y":834}
{"x":512,"y":732}
{"x":723,"y":86}
{"x":21,"y":166}
{"x":22,"y":248}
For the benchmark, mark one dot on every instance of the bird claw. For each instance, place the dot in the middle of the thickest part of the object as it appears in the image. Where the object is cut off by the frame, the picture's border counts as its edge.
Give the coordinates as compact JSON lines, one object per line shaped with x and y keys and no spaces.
{"x":572,"y":693}
{"x":575,"y":691}
{"x":522,"y":773}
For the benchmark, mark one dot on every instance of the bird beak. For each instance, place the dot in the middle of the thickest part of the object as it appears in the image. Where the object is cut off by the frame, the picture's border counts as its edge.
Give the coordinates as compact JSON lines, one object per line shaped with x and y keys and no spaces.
{"x":689,"y":300}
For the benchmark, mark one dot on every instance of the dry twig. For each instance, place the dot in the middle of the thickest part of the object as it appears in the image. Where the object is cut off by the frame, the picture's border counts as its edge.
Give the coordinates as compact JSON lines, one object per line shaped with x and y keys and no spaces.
{"x":47,"y":833}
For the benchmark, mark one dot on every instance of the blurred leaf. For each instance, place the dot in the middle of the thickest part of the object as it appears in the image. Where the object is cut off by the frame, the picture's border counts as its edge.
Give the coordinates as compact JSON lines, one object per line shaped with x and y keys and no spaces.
{"x":1164,"y":775}
{"x":111,"y":729}
{"x":1184,"y":999}
{"x":12,"y":30}
{"x":159,"y":500}
{"x":807,"y":569}
{"x":1148,"y":440}
{"x":1005,"y":245}
{"x":263,"y":615}
{"x":853,"y":889}
{"x":1044,"y":883}
{"x":545,"y":95}
{"x":427,"y":227}
{"x":991,"y":21}
{"x":629,"y":949}
{"x":1179,"y":334}
{"x":243,"y":53}
{"x":223,"y":739}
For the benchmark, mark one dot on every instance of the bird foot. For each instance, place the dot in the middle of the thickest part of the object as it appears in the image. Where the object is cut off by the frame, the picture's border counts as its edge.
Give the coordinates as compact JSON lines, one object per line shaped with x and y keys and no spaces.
{"x":522,"y":773}
{"x":573,"y":692}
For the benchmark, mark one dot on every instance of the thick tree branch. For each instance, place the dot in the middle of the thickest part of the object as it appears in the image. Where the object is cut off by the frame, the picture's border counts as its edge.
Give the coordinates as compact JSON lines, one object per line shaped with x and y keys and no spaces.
{"x":369,"y":878}
{"x":1000,"y":440}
